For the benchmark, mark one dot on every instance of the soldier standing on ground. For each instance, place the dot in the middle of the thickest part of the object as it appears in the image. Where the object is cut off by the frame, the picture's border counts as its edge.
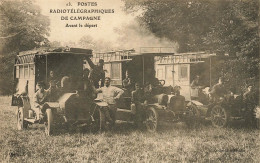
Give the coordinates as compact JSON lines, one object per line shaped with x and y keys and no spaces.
{"x":110,"y":95}
{"x":137,"y":100}
{"x":249,"y":104}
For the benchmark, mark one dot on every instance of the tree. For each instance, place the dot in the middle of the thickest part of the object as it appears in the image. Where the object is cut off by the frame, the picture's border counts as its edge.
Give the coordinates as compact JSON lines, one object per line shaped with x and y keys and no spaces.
{"x":226,"y":26}
{"x":97,"y":45}
{"x":22,"y":27}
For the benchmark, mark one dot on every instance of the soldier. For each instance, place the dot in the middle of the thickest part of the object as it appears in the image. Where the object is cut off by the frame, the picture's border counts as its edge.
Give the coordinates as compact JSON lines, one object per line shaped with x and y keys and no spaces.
{"x":40,"y":97}
{"x":89,"y":90}
{"x":110,"y":95}
{"x":218,"y":91}
{"x":54,"y":85}
{"x":127,"y":84}
{"x":137,"y":100}
{"x":97,"y":73}
{"x":249,"y":104}
{"x":52,"y":80}
{"x":195,"y":82}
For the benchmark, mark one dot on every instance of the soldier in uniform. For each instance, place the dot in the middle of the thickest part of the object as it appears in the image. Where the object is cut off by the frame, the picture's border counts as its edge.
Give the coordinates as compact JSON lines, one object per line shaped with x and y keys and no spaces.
{"x":97,"y":73}
{"x":137,"y":100}
{"x":110,"y":95}
{"x":250,"y":103}
{"x":89,"y":90}
{"x":127,"y":84}
{"x":218,"y":91}
{"x":40,"y":97}
{"x":53,"y":82}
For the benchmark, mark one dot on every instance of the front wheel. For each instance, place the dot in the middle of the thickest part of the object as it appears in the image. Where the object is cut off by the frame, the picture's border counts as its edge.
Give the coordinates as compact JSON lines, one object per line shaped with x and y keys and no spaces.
{"x":21,"y":123}
{"x":151,"y":120}
{"x":193,"y":115}
{"x":219,"y":116}
{"x":49,"y":122}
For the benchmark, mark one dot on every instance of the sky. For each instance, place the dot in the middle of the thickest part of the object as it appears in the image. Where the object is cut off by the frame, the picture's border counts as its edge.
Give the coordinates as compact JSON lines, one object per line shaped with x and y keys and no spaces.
{"x":105,"y":26}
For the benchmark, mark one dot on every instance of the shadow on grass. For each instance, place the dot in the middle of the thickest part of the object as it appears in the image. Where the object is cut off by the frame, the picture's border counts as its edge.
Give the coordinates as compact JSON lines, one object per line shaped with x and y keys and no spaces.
{"x":125,"y":128}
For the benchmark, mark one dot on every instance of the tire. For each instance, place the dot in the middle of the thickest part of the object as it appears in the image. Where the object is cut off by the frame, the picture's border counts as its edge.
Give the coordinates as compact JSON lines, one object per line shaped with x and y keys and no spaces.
{"x":21,"y":123}
{"x":219,"y":116}
{"x":151,"y":119}
{"x":193,"y":116}
{"x":49,"y":122}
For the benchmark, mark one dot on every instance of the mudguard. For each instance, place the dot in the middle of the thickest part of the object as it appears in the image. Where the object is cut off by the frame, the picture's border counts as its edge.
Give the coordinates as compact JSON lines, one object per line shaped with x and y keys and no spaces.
{"x":26,"y":105}
{"x":203,"y":109}
{"x":74,"y":107}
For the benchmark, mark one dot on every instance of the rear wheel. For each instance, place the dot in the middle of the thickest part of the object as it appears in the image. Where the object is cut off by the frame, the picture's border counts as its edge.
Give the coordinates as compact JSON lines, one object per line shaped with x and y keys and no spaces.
{"x":49,"y":122}
{"x":193,"y":115}
{"x":151,"y":120}
{"x":219,"y":116}
{"x":21,"y":123}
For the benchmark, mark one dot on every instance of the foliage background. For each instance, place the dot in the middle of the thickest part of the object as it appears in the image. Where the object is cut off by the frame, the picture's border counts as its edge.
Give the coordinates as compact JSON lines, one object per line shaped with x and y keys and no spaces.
{"x":221,"y":26}
{"x":22,"y":27}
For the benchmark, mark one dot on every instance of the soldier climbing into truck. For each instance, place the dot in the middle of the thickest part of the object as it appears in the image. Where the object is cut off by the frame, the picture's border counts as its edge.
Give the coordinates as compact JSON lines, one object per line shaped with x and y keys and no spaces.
{"x":97,"y":72}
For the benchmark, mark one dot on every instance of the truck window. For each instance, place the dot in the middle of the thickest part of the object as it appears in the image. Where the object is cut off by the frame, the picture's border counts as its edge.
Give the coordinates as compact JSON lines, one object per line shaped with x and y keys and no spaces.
{"x":183,"y":73}
{"x":17,"y":72}
{"x":26,"y":71}
{"x":115,"y":70}
{"x":160,"y":73}
{"x":31,"y":71}
{"x":21,"y":75}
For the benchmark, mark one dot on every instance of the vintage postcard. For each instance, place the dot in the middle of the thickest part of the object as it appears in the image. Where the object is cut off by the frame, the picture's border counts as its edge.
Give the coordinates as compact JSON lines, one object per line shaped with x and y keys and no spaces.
{"x":129,"y":81}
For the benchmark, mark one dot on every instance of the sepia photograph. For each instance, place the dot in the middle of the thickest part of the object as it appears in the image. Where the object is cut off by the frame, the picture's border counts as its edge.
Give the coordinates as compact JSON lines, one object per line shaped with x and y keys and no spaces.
{"x":129,"y":81}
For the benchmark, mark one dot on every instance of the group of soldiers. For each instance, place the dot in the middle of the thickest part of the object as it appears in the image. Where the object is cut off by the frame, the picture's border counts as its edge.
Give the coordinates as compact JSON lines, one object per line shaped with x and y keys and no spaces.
{"x":220,"y":92}
{"x":94,"y":83}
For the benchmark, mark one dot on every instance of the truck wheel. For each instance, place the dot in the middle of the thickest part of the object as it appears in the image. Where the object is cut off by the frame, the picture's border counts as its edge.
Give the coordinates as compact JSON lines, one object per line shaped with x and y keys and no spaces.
{"x":21,"y":123}
{"x":219,"y":116}
{"x":151,"y":120}
{"x":193,"y":115}
{"x":49,"y":122}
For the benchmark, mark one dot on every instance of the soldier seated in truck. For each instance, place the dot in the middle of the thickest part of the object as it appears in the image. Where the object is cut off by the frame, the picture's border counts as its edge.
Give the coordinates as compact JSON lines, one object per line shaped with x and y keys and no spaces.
{"x":40,"y":97}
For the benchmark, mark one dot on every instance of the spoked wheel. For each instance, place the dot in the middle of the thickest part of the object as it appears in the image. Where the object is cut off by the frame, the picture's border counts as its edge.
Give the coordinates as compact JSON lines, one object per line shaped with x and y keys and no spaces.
{"x":21,"y":124}
{"x":49,"y":122}
{"x":151,"y":121}
{"x":219,"y":116}
{"x":193,"y":115}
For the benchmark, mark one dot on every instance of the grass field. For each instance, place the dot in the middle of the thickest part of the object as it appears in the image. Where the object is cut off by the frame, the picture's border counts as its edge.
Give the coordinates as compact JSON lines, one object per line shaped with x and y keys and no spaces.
{"x":172,"y":143}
